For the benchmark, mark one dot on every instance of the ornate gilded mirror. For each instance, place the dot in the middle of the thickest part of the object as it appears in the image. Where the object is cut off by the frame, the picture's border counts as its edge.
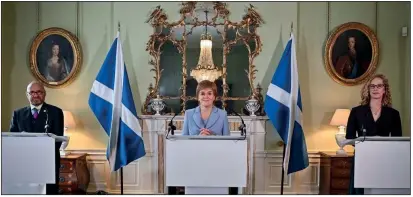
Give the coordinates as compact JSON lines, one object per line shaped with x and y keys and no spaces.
{"x":203,"y":45}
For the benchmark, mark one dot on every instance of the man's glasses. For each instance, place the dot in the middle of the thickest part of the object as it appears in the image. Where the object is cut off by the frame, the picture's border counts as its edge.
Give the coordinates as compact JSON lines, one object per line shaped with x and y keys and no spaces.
{"x":32,"y":93}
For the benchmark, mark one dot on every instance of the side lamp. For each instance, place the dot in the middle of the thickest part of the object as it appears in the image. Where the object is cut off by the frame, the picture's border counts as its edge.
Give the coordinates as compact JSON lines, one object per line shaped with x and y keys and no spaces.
{"x":340,"y":119}
{"x":69,"y":123}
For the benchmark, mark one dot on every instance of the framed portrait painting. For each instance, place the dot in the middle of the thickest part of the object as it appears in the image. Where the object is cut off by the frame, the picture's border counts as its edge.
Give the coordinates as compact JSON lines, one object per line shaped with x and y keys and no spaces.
{"x":351,"y":53}
{"x":55,"y":57}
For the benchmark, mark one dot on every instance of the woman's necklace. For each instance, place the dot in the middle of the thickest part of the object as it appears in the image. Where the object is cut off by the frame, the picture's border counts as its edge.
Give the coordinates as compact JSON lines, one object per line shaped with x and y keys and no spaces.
{"x":377,"y":111}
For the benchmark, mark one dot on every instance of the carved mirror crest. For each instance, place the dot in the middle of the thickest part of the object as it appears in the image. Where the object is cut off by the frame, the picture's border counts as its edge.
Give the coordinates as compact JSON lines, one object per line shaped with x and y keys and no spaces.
{"x":203,"y":40}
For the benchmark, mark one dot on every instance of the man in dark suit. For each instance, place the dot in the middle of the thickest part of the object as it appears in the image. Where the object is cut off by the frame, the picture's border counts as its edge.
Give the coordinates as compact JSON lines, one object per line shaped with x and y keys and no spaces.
{"x":34,"y":119}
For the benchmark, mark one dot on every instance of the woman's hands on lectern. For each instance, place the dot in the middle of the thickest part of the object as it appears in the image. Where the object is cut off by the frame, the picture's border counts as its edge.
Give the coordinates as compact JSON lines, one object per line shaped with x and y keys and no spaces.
{"x":205,"y":132}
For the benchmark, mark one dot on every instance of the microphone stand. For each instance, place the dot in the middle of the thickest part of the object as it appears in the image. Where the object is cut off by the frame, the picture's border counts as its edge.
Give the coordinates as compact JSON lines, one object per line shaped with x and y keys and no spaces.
{"x":171,"y":129}
{"x":46,"y":126}
{"x":242,"y":127}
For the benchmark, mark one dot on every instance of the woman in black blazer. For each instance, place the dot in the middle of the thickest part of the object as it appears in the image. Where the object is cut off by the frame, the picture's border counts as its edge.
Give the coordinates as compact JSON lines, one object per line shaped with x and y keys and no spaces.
{"x":375,"y":116}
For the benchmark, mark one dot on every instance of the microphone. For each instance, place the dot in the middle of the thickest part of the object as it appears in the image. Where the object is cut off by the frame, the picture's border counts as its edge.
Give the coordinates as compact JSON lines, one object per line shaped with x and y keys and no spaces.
{"x":364,"y":132}
{"x":362,"y":126}
{"x":242,"y":127}
{"x":171,"y":127}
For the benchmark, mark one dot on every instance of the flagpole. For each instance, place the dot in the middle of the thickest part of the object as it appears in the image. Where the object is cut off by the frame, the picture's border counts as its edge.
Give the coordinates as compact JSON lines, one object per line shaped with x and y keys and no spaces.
{"x":121,"y":181}
{"x":282,"y":171}
{"x":121,"y":169}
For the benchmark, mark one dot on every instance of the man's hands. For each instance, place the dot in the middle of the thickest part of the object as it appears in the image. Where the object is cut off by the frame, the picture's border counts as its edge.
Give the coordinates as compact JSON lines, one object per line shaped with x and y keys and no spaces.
{"x":205,"y":132}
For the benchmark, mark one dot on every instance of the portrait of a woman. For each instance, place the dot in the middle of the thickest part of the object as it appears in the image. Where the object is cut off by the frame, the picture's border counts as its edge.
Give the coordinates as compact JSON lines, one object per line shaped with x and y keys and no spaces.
{"x":55,"y":57}
{"x":206,"y":119}
{"x":57,"y":68}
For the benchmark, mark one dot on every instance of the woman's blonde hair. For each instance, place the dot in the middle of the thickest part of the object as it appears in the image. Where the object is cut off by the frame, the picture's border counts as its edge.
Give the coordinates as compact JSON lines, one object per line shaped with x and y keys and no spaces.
{"x":206,"y":84}
{"x":365,"y":91}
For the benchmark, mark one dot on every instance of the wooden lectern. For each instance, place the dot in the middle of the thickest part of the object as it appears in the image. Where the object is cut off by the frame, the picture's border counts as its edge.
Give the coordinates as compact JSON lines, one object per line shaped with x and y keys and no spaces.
{"x":382,"y":165}
{"x":17,"y":149}
{"x":206,"y":164}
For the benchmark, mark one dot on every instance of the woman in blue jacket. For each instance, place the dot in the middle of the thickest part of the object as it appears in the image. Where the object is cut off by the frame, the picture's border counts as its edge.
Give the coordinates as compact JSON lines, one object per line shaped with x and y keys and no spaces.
{"x":206,"y":119}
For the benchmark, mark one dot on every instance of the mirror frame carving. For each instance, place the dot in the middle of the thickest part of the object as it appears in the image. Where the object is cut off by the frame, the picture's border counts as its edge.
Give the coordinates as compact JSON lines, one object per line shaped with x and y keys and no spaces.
{"x":158,"y":19}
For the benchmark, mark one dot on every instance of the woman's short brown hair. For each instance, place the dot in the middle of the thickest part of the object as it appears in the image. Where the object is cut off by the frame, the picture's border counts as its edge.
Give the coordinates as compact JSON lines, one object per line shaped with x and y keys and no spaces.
{"x":206,"y":84}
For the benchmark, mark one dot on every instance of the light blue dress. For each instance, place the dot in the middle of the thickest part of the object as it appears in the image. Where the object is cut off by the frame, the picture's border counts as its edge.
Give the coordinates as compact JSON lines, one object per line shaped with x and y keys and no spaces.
{"x":217,"y":122}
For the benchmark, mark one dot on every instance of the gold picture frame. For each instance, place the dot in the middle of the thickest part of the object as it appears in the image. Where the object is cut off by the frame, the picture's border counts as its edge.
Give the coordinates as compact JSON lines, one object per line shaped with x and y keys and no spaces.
{"x":351,"y":54}
{"x":55,"y":57}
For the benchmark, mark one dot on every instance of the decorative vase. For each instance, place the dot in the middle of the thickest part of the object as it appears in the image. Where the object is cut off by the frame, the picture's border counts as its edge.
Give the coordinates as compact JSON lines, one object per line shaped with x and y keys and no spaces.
{"x":252,"y":106}
{"x":158,"y":105}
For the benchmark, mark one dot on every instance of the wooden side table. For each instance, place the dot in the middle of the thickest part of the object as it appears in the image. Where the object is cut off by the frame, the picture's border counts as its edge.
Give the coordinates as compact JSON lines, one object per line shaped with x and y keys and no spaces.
{"x":74,"y":175}
{"x":335,"y":173}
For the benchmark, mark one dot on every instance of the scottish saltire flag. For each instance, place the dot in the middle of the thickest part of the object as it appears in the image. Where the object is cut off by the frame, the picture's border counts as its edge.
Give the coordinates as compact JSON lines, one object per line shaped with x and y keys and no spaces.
{"x":112,"y":103}
{"x":283,"y":107}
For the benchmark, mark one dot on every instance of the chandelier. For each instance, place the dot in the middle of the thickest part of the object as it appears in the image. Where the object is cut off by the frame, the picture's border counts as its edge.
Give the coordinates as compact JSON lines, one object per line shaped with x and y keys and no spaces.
{"x":205,"y":69}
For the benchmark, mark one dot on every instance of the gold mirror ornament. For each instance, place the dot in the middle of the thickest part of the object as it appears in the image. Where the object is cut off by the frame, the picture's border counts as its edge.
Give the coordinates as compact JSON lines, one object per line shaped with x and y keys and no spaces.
{"x":245,"y":31}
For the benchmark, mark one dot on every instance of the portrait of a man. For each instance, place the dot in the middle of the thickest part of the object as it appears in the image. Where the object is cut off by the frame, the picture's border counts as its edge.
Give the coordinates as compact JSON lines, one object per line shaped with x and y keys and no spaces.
{"x":55,"y":57}
{"x":352,"y":54}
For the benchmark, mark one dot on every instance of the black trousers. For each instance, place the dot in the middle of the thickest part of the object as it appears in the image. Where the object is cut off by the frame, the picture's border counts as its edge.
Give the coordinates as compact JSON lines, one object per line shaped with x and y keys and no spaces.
{"x":53,"y":189}
{"x":352,"y":190}
{"x":233,"y":191}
